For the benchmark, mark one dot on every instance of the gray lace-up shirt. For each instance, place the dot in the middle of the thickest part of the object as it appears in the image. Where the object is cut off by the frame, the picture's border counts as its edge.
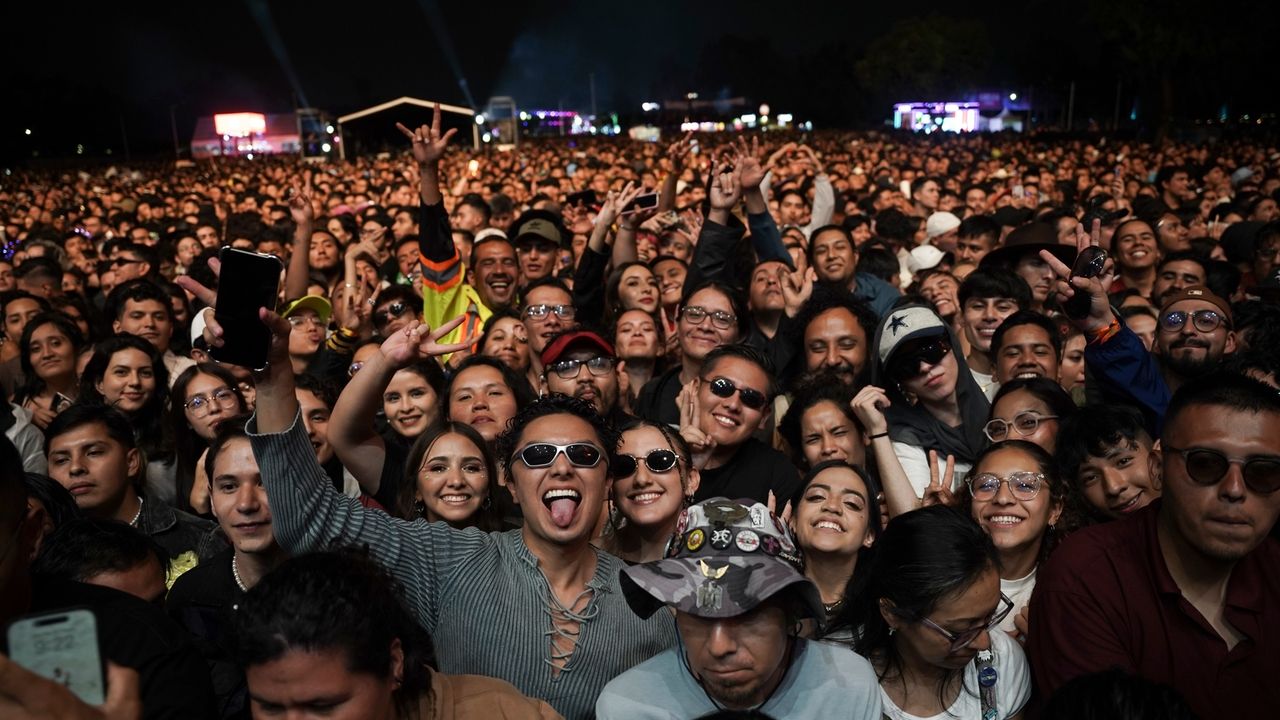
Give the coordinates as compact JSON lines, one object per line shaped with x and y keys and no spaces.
{"x":481,"y":595}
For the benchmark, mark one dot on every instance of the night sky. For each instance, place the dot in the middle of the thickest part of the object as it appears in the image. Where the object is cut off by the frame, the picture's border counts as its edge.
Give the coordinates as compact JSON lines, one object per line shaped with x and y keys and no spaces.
{"x":76,"y":72}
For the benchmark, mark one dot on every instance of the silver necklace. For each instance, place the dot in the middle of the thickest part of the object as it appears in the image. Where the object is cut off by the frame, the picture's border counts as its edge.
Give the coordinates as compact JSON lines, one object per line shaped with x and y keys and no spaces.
{"x":235,"y":572}
{"x":134,"y":521}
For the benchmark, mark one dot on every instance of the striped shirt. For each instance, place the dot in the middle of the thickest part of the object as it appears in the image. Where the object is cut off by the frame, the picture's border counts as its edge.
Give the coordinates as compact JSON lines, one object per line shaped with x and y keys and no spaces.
{"x":481,"y":595}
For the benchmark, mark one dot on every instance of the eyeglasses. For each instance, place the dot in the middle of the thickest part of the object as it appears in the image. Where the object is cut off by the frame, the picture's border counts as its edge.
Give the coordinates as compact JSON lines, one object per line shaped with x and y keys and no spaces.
{"x":569,"y":369}
{"x":1023,"y":485}
{"x":1206,"y":467}
{"x":1203,"y":320}
{"x":723,"y":387}
{"x":960,"y":641}
{"x":118,"y":262}
{"x":200,"y":405}
{"x":389,"y":313}
{"x":719,"y":318}
{"x":1024,"y":423}
{"x":908,"y":366}
{"x":540,"y":455}
{"x":658,"y":461}
{"x":300,"y":320}
{"x":538,"y":312}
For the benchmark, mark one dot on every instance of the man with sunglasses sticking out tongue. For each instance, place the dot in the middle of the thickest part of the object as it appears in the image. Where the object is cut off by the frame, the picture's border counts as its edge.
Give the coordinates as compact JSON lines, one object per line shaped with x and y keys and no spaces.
{"x":1193,"y":335}
{"x":539,"y":606}
{"x":1183,"y":592}
{"x":720,"y":411}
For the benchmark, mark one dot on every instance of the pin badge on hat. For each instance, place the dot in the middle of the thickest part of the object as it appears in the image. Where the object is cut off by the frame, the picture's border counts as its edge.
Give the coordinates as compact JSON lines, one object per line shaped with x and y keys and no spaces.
{"x":721,"y":538}
{"x":770,"y":545}
{"x":747,"y":541}
{"x":710,"y":594}
{"x":725,"y":513}
{"x":695,"y":540}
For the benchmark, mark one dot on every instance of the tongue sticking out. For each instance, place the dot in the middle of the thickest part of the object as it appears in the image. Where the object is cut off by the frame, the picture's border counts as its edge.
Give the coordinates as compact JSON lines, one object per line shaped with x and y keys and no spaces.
{"x":562,"y":510}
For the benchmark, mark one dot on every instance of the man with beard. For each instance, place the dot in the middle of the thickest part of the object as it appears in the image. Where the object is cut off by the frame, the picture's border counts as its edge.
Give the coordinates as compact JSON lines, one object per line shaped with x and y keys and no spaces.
{"x":1194,"y":333}
{"x":492,"y":262}
{"x":833,"y":331}
{"x":581,"y":364}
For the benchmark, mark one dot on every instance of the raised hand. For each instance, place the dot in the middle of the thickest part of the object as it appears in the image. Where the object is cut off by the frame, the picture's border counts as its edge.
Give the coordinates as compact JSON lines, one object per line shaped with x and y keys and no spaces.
{"x":812,"y":157}
{"x":690,"y":414}
{"x":868,"y":406}
{"x":277,"y":351}
{"x":300,"y":207}
{"x":778,"y":154}
{"x":25,"y":695}
{"x":417,"y":342}
{"x":1100,"y":315}
{"x":726,"y":187}
{"x":747,"y":161}
{"x":429,"y":142}
{"x":614,"y":203}
{"x":678,"y":151}
{"x":939,"y":490}
{"x":772,"y":503}
{"x":797,"y":287}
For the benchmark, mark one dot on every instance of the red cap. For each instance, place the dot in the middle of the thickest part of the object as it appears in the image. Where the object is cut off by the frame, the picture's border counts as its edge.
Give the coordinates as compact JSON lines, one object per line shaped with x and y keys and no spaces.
{"x":574,"y":339}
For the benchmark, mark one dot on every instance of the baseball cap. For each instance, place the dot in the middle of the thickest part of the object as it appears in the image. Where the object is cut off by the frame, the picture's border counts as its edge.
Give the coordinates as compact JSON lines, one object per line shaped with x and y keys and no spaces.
{"x":940,"y":223}
{"x":924,"y":257}
{"x":537,"y":225}
{"x":572,"y":340}
{"x":1199,"y":292}
{"x":309,"y":302}
{"x":904,"y":325}
{"x":725,"y":558}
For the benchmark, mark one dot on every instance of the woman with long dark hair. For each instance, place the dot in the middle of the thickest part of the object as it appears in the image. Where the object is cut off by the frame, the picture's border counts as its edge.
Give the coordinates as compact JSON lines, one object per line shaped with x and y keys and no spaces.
{"x":653,"y":479}
{"x":450,"y":476}
{"x":48,"y":349}
{"x":202,"y":398}
{"x":127,"y":372}
{"x":1015,"y":493}
{"x":924,"y":620}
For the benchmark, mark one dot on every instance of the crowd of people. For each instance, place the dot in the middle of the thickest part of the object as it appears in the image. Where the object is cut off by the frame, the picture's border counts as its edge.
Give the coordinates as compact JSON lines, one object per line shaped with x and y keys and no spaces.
{"x":842,"y":425}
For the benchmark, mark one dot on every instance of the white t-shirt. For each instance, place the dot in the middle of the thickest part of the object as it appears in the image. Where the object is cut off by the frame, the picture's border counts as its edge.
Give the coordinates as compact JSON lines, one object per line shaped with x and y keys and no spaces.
{"x":1013,"y":686}
{"x":915,"y":463}
{"x":987,"y":382}
{"x":1019,"y":591}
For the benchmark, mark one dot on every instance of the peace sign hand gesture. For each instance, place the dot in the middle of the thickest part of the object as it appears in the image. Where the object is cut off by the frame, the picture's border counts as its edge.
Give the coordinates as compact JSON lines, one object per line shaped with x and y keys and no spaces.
{"x":1100,"y":315}
{"x":939,"y":490}
{"x":428,"y":142}
{"x":417,"y":342}
{"x":690,"y":413}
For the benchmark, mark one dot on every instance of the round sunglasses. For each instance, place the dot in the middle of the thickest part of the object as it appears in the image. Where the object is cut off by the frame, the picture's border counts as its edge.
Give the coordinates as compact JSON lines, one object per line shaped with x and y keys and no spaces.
{"x":658,"y":461}
{"x":1206,"y":467}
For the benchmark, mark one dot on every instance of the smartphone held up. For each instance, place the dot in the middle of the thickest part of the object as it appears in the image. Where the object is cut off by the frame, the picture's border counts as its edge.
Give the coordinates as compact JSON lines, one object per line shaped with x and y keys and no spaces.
{"x":248,"y":282}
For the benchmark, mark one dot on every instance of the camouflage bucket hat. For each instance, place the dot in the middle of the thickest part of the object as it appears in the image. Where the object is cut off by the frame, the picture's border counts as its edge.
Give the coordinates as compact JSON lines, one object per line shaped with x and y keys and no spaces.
{"x":725,"y":558}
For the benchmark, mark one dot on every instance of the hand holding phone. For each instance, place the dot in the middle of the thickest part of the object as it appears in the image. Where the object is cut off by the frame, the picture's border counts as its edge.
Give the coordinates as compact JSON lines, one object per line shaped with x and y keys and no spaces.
{"x":644,"y":201}
{"x":248,"y":282}
{"x":61,"y":646}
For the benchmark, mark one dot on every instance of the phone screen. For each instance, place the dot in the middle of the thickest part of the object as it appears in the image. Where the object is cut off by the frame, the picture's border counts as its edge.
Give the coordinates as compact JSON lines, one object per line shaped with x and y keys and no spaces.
{"x":587,"y":198}
{"x":248,"y":281}
{"x":63,"y":647}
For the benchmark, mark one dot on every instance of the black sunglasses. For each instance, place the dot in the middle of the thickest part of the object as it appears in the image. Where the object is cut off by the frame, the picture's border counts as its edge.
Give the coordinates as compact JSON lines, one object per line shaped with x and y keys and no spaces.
{"x":908,"y":365}
{"x":394,"y":310}
{"x":659,"y":461}
{"x":1207,"y":467}
{"x":540,"y":455}
{"x":724,"y":388}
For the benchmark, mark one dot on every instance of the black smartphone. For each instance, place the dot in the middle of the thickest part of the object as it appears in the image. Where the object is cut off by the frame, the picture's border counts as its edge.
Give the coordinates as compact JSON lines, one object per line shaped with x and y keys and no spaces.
{"x":248,"y":281}
{"x":1089,"y":264}
{"x":586,"y":198}
{"x":642,"y":202}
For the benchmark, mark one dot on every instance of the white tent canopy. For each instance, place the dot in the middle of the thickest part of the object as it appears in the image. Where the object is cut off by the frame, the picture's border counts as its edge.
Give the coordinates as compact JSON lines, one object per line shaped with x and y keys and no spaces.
{"x":406,"y":100}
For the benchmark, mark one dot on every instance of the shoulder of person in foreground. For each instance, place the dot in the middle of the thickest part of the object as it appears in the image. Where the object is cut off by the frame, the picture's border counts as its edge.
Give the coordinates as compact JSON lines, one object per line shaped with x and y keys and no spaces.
{"x":479,"y":696}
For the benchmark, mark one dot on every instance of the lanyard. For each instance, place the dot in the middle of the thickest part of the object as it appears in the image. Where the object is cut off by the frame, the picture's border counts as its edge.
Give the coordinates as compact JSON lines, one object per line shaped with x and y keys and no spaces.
{"x":987,"y":677}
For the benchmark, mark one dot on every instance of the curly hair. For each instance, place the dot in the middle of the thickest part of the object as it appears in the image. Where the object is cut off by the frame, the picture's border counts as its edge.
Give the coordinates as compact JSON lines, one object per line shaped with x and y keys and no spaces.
{"x":554,"y":404}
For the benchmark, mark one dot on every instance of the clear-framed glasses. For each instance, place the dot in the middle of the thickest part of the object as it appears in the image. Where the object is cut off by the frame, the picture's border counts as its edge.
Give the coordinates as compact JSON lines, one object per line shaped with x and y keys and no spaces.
{"x":200,"y":405}
{"x":961,"y":640}
{"x":1206,"y":466}
{"x":1203,"y":320}
{"x":569,"y":369}
{"x":300,"y":320}
{"x":719,"y":318}
{"x":1024,"y":423}
{"x":538,"y":312}
{"x":1024,"y":485}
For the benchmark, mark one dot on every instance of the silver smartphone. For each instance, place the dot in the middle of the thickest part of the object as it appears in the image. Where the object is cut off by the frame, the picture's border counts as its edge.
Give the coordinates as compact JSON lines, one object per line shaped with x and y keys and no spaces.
{"x":63,"y":647}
